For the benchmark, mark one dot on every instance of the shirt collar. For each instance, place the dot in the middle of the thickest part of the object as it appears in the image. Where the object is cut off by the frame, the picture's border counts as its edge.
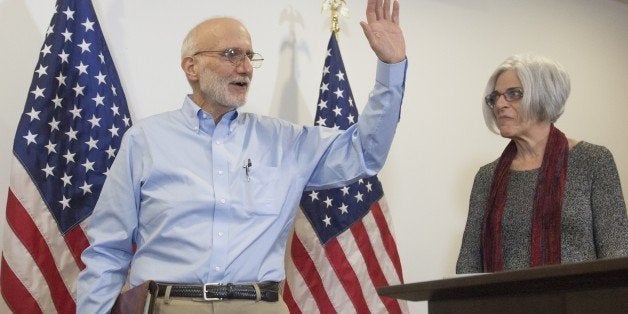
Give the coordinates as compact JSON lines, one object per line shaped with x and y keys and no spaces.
{"x":192,"y":114}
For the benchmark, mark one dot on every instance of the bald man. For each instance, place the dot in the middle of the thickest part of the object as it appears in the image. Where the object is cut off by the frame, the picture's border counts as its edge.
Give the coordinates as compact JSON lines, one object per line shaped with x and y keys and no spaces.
{"x":201,"y":199}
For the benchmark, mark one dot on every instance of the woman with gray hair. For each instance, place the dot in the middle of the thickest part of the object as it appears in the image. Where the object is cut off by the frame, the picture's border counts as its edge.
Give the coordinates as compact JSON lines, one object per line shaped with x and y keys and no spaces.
{"x":548,"y":199}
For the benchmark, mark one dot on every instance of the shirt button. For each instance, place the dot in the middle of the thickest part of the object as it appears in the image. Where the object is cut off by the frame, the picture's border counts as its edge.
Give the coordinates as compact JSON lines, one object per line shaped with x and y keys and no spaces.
{"x":220,"y":234}
{"x":217,"y":268}
{"x":217,"y":142}
{"x":223,"y":200}
{"x":220,"y":172}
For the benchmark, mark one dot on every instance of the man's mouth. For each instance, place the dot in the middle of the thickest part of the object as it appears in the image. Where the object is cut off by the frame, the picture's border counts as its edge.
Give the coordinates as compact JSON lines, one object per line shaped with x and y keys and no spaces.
{"x":242,"y":82}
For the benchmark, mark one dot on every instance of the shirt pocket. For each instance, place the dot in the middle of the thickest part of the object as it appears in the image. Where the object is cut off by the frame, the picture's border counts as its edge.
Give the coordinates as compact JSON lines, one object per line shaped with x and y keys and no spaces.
{"x":255,"y":194}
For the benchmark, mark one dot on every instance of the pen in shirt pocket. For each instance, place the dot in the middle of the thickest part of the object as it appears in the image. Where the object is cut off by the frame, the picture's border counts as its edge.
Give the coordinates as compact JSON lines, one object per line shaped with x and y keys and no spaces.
{"x":247,"y":169}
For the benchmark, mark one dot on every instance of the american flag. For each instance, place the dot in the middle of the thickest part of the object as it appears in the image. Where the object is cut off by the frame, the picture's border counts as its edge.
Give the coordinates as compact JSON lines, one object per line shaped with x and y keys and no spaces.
{"x":74,"y":117}
{"x":342,"y":247}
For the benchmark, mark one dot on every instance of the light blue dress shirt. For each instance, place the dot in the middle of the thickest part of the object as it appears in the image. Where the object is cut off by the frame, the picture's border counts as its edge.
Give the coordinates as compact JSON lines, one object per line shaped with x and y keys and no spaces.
{"x":181,"y":191}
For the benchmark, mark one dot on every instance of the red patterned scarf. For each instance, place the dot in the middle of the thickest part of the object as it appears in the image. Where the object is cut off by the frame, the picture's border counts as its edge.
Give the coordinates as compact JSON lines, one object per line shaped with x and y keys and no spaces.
{"x":546,"y":214}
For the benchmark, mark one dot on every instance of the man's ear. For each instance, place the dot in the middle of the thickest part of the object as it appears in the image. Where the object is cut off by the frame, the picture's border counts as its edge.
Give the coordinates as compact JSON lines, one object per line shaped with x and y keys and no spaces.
{"x":187,"y":64}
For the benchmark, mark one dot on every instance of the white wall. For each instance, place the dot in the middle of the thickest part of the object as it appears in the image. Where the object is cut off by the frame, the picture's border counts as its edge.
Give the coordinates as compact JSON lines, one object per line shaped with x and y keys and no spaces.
{"x":453,"y":46}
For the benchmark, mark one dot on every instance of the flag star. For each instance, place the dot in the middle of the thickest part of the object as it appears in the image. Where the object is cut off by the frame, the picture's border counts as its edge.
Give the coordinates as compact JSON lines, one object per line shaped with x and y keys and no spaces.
{"x":102,"y":58}
{"x":76,"y":112}
{"x":69,"y":13}
{"x":54,"y":124}
{"x":327,"y":221}
{"x":48,"y":170}
{"x":325,"y":70}
{"x":67,"y":35}
{"x":30,"y":138}
{"x":38,"y":92}
{"x":52,"y":148}
{"x":33,"y":114}
{"x":327,"y":201}
{"x":113,"y":90}
{"x":361,"y":181}
{"x":338,"y":111}
{"x":69,"y":157}
{"x":66,"y":179}
{"x":61,"y":78}
{"x":340,"y":75}
{"x":111,"y":152}
{"x":106,"y":173}
{"x":87,"y":188}
{"x":42,"y":70}
{"x":314,"y":195}
{"x":358,"y":197}
{"x":78,"y":89}
{"x":65,"y":202}
{"x":57,"y":101}
{"x":101,"y":78}
{"x":115,"y":109}
{"x":88,"y":25}
{"x":64,"y":56}
{"x":94,"y":121}
{"x":328,"y":53}
{"x":338,"y":93}
{"x":336,"y":127}
{"x":82,"y":68}
{"x":84,"y":46}
{"x":89,"y":165}
{"x":369,"y":187}
{"x":114,"y":131}
{"x":92,"y":144}
{"x":350,"y":101}
{"x":324,"y":87}
{"x":50,"y":29}
{"x":351,"y":119}
{"x":71,"y":134}
{"x":126,"y":120}
{"x":322,"y":104}
{"x":46,"y":49}
{"x":99,"y":99}
{"x":344,"y":208}
{"x":321,"y":121}
{"x":345,"y":190}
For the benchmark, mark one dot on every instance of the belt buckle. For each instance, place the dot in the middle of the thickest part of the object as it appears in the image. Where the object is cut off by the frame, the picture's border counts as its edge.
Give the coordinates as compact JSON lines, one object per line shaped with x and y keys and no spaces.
{"x":205,"y":286}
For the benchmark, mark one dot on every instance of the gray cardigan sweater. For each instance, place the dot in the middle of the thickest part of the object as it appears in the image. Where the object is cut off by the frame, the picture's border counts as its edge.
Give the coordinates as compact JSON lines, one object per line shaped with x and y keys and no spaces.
{"x":594,"y":223}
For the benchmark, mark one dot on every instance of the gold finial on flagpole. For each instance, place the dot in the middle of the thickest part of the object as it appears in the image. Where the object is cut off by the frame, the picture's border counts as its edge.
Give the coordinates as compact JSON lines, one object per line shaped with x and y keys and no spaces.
{"x":337,"y":8}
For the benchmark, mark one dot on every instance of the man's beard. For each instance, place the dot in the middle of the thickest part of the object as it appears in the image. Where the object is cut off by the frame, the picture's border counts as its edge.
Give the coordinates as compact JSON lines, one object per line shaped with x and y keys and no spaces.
{"x":215,"y":88}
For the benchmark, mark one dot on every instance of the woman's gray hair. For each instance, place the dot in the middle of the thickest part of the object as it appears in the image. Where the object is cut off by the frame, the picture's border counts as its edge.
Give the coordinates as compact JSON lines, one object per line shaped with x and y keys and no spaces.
{"x":545,"y":85}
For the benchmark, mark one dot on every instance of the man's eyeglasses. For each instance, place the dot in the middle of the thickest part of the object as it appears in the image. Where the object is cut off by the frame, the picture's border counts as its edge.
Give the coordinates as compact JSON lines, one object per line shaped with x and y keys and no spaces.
{"x":236,"y":56}
{"x":511,"y":94}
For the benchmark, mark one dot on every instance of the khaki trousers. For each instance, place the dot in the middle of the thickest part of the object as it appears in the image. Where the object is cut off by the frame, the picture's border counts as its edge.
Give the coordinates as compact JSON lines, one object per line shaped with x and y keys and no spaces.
{"x":196,"y":306}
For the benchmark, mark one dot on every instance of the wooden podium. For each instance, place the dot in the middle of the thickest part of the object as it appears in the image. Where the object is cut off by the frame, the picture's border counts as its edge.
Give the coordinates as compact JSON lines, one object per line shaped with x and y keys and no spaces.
{"x":593,"y":287}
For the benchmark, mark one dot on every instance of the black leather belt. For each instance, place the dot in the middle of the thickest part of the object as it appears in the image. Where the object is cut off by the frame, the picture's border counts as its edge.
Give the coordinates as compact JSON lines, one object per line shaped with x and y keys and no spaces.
{"x":268,"y":291}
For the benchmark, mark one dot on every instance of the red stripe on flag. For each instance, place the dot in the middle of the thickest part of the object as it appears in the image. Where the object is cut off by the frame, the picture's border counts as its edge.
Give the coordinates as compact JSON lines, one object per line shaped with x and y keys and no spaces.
{"x":372,"y":264}
{"x":346,"y":275}
{"x":289,"y":299}
{"x":17,"y":298}
{"x":307,"y":269}
{"x":387,"y":238}
{"x":25,"y":229}
{"x":77,"y":242}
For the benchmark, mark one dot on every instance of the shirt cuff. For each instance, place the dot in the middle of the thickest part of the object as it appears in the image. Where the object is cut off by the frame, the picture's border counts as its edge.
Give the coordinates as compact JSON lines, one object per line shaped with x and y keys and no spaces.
{"x":391,"y":74}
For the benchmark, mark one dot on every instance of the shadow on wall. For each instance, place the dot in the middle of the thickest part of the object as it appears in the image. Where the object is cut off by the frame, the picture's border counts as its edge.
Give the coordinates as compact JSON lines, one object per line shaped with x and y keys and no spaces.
{"x":17,"y":61}
{"x":288,"y":102}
